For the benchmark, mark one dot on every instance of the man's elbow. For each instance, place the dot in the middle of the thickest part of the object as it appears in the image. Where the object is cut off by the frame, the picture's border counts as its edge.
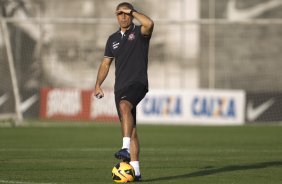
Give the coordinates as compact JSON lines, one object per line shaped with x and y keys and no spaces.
{"x":147,"y":27}
{"x":151,"y":24}
{"x":150,"y":27}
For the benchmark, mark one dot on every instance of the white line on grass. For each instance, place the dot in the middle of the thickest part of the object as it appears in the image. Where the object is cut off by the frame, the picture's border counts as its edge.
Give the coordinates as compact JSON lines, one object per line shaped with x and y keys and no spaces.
{"x":113,"y":149}
{"x":56,"y":149}
{"x":21,"y":182}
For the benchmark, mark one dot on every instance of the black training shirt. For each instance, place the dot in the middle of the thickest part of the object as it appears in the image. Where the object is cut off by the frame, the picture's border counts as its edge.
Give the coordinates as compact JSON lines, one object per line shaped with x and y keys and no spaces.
{"x":130,"y":52}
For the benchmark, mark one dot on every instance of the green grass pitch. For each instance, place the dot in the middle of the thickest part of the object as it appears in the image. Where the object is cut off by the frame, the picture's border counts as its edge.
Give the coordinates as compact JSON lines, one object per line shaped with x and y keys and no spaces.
{"x":169,"y":154}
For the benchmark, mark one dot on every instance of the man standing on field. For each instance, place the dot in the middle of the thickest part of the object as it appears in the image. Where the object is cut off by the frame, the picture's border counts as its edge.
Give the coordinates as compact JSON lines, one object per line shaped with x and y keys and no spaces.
{"x":129,"y":48}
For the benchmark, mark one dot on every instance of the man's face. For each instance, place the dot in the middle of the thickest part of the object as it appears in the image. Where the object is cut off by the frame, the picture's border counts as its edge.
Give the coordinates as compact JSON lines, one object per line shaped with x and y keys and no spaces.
{"x":124,"y":19}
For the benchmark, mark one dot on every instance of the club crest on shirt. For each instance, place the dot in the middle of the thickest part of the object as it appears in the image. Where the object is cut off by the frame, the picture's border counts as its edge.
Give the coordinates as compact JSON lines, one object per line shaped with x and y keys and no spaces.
{"x":131,"y":37}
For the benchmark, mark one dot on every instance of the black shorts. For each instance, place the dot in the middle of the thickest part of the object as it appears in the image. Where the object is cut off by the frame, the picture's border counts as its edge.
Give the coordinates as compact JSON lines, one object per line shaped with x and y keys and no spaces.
{"x":134,"y":93}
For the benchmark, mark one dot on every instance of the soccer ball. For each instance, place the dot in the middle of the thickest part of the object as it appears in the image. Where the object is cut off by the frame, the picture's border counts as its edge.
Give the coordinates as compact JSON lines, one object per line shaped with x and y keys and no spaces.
{"x":123,"y":172}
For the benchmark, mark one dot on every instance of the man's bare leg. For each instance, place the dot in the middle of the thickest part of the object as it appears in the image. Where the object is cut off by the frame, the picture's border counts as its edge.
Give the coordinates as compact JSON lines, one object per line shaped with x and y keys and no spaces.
{"x":127,"y":124}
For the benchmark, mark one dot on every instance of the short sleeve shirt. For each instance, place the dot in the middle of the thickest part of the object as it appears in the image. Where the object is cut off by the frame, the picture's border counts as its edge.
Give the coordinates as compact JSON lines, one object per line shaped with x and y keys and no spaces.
{"x":130,"y":52}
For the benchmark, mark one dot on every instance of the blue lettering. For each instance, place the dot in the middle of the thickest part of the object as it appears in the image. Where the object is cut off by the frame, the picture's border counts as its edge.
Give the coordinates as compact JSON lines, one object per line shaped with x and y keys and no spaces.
{"x":204,"y":107}
{"x":162,"y":106}
{"x":178,"y":106}
{"x":213,"y":107}
{"x":218,"y":107}
{"x":194,"y":108}
{"x":231,"y":109}
{"x":147,"y":106}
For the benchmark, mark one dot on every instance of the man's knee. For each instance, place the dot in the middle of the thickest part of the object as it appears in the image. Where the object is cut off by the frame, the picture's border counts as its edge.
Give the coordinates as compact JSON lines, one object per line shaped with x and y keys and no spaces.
{"x":125,"y":107}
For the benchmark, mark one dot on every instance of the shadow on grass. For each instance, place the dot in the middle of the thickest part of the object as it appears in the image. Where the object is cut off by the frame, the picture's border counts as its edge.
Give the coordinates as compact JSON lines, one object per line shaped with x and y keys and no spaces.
{"x":210,"y":170}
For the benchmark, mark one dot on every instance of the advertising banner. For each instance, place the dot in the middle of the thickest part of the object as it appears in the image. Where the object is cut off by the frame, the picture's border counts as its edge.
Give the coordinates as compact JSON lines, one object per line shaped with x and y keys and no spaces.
{"x":263,"y":107}
{"x":75,"y":104}
{"x":200,"y":107}
{"x":206,"y":107}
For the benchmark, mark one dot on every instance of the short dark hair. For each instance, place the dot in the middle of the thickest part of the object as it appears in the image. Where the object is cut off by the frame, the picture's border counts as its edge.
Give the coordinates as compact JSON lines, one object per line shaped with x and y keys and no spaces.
{"x":126,"y":4}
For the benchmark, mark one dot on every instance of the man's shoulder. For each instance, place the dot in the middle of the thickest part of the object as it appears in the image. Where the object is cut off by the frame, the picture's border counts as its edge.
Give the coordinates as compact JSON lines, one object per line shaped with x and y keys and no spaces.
{"x":137,"y":27}
{"x":113,"y":35}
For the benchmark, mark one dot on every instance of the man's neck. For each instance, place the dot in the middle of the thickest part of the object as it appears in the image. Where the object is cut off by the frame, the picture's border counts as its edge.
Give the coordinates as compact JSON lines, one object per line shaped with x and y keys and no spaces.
{"x":123,"y":30}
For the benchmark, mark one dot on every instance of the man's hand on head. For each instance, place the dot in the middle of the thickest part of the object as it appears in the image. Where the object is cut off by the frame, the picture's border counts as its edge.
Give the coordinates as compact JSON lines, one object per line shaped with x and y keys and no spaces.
{"x":123,"y":10}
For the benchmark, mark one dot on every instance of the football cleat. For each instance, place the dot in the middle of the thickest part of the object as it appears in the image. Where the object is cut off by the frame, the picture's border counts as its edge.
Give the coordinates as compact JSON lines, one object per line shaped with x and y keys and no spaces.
{"x":123,"y":155}
{"x":138,"y":178}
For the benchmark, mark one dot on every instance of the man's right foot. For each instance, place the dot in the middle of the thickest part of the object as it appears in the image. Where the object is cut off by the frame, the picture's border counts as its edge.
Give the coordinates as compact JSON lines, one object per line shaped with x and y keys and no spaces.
{"x":123,"y":155}
{"x":138,"y":178}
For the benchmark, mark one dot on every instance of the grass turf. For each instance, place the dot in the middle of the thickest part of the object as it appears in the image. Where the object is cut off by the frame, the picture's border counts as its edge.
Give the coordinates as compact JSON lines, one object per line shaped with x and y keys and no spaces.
{"x":169,"y":154}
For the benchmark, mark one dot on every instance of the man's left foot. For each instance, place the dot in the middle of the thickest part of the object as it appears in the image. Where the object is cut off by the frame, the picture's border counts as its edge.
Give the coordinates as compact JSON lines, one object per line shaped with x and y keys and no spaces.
{"x":123,"y":154}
